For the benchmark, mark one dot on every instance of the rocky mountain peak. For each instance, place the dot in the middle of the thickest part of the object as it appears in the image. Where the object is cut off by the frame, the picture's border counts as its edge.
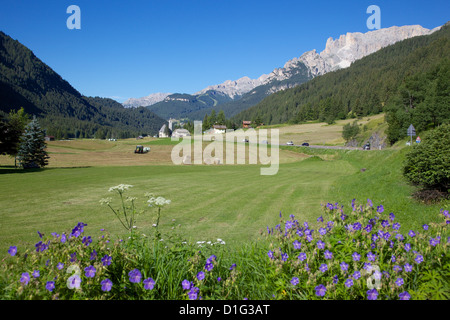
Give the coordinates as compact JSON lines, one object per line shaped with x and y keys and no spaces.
{"x":338,"y":53}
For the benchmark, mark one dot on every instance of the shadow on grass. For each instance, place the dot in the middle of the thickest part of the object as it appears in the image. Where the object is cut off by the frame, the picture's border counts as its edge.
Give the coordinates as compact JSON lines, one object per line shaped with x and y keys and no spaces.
{"x":19,"y":170}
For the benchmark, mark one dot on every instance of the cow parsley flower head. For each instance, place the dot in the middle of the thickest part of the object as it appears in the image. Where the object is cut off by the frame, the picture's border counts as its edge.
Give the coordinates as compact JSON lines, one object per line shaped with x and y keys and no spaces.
{"x":105,"y":201}
{"x":157,"y":201}
{"x":121,"y":188}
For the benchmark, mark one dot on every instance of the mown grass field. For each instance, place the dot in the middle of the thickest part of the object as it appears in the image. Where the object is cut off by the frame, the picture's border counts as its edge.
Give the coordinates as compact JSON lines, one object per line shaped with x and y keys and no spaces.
{"x":231,"y":202}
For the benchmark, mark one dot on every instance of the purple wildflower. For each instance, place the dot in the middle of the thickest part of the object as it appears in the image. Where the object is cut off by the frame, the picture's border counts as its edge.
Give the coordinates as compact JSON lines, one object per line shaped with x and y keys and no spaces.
{"x":50,"y":285}
{"x":201,"y":275}
{"x":320,"y":244}
{"x":407,"y":267}
{"x":135,"y":276}
{"x":323,"y":267}
{"x":93,"y":255}
{"x":192,"y":295}
{"x":323,"y":231}
{"x":149,"y":284}
{"x":297,"y":244}
{"x":419,"y":258}
{"x":404,"y":296}
{"x":396,"y":226}
{"x":106,"y":285}
{"x":349,"y":283}
{"x":372,"y":294}
{"x":320,"y":290}
{"x":399,"y":282}
{"x":90,"y":272}
{"x":328,"y":254}
{"x":302,"y":256}
{"x":24,"y":278}
{"x":407,"y":247}
{"x":106,"y":260}
{"x":380,"y":209}
{"x":12,"y":251}
{"x":87,"y":240}
{"x":344,"y":266}
{"x":294,"y":281}
{"x":435,"y":242}
{"x":74,"y":282}
{"x":186,"y":284}
{"x":356,"y":256}
{"x":209,"y":266}
{"x":397,"y":268}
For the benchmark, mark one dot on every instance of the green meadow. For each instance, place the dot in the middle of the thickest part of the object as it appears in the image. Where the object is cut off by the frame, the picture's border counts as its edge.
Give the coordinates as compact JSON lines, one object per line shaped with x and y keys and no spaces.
{"x":229,"y":202}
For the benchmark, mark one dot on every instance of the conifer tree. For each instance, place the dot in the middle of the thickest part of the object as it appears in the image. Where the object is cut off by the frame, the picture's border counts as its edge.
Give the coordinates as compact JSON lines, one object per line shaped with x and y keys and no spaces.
{"x":32,"y":153}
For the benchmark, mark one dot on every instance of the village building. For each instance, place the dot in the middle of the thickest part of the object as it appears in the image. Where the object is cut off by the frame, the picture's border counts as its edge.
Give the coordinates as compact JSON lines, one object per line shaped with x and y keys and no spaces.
{"x":219,"y":128}
{"x":179,"y":133}
{"x":164,"y":132}
{"x":246,"y":124}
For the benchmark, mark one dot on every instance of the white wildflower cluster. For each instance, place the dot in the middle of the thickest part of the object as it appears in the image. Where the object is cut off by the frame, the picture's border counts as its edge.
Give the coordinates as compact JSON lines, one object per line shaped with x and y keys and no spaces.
{"x":158,"y":201}
{"x":105,"y":201}
{"x":202,"y":243}
{"x":120,"y":188}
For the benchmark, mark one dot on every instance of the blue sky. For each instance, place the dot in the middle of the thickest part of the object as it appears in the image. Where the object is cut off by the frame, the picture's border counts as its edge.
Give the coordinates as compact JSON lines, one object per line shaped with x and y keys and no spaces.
{"x":133,"y":48}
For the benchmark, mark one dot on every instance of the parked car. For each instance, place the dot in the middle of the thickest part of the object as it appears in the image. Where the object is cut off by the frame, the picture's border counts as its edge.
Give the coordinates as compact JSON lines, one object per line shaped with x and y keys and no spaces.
{"x":305,"y":144}
{"x":245,"y":140}
{"x":264,"y":142}
{"x":290,"y":143}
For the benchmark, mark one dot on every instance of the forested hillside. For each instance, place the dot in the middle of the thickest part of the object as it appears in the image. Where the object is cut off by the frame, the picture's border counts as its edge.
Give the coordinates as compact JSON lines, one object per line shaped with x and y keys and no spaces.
{"x":26,"y":81}
{"x":414,"y":69}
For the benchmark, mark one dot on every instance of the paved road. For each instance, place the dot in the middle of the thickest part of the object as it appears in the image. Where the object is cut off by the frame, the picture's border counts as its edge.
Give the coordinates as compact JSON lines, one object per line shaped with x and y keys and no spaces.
{"x":325,"y":147}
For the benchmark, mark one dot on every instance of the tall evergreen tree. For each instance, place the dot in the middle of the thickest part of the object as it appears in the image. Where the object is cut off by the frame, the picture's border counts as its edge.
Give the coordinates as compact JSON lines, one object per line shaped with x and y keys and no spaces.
{"x":32,"y":153}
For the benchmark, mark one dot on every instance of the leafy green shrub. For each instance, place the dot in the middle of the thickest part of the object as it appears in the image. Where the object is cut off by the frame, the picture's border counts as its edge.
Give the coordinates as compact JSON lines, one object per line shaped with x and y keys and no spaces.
{"x":428,"y":163}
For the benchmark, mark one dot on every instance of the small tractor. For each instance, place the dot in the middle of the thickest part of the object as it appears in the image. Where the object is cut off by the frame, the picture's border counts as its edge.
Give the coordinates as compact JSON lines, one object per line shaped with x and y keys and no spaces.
{"x":141,"y":149}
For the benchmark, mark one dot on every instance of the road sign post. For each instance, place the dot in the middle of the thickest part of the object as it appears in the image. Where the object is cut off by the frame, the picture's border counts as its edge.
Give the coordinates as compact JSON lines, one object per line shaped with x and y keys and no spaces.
{"x":411,"y":132}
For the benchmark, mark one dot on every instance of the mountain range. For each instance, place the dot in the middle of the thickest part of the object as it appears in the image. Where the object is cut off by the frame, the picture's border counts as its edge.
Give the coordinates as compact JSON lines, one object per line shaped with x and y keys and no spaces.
{"x":238,"y":95}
